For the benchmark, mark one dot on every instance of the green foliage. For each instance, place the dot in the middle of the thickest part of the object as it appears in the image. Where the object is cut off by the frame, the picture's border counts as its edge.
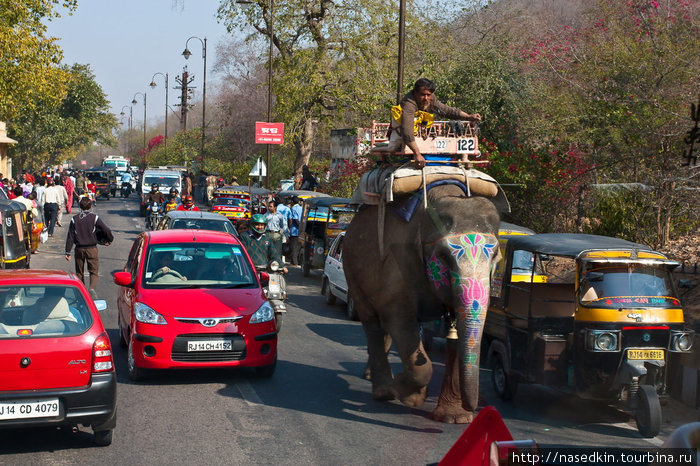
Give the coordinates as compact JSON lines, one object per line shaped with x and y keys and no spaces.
{"x":50,"y":132}
{"x":623,"y":213}
{"x":343,"y":179}
{"x":182,"y":149}
{"x":29,"y":61}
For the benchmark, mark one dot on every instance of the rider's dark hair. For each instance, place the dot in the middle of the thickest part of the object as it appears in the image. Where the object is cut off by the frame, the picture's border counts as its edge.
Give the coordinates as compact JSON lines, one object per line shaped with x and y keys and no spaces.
{"x":85,"y":203}
{"x":426,"y":83}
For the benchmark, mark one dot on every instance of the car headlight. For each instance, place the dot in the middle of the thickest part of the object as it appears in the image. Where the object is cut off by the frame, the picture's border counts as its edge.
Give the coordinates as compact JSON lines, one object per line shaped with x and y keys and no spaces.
{"x":265,"y":314}
{"x":681,"y":341}
{"x":274,"y":266}
{"x":602,"y":340}
{"x":147,"y":315}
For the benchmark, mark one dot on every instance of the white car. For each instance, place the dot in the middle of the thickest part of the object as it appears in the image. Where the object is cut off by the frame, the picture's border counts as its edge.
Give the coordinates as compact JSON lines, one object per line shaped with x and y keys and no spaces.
{"x":334,"y":285}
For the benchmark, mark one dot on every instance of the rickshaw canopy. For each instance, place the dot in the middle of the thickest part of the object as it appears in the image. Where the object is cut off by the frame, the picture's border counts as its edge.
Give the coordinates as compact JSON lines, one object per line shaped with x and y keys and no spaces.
{"x":569,"y":244}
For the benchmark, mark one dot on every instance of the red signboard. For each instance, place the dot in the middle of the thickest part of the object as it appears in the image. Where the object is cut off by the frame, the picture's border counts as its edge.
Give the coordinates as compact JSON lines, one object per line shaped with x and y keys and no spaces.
{"x":269,"y":133}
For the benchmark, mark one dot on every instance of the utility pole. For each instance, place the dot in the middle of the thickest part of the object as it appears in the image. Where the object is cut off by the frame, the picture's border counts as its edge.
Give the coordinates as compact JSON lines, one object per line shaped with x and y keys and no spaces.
{"x":184,"y":82}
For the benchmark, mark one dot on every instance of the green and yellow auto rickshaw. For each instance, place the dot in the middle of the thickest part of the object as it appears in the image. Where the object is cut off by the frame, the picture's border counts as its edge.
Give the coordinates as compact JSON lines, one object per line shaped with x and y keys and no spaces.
{"x":16,"y":235}
{"x":322,"y":220}
{"x":600,"y":321}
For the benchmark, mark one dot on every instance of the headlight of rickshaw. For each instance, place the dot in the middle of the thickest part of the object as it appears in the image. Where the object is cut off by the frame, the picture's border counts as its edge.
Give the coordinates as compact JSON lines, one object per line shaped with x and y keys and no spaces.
{"x":603,"y":340}
{"x":681,"y":341}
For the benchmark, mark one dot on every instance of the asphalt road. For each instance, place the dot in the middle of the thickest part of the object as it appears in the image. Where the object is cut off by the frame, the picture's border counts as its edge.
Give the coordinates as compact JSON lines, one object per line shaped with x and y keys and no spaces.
{"x":316,"y":409}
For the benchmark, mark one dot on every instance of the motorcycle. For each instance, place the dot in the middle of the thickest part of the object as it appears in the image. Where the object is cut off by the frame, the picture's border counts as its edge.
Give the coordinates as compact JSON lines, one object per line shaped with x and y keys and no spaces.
{"x":155,"y":215}
{"x":275,"y":290}
{"x":126,"y":189}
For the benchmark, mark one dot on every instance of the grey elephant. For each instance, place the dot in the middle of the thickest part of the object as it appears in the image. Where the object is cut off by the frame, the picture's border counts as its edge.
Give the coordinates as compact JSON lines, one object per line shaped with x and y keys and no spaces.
{"x":439,"y":261}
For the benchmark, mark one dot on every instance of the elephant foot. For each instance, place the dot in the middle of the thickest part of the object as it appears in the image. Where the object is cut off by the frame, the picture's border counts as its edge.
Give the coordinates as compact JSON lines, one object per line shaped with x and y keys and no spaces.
{"x":452,"y":414}
{"x":408,"y":392}
{"x":382,"y":393}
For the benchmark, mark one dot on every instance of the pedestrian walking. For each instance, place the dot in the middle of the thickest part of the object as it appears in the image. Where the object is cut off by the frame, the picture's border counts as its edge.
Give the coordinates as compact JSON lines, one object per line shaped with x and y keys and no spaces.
{"x":276,"y":226}
{"x":294,"y":221}
{"x":82,"y":232}
{"x":52,"y":199}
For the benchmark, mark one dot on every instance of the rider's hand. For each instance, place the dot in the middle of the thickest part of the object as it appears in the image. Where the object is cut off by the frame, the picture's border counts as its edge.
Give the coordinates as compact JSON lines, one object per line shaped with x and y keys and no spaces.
{"x":284,"y":270}
{"x":67,"y":257}
{"x":420,"y":160}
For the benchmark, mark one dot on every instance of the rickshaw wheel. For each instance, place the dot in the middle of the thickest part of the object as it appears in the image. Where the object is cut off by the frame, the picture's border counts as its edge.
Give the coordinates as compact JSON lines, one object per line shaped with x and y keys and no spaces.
{"x":326,"y":288}
{"x":648,"y":414}
{"x":504,"y":384}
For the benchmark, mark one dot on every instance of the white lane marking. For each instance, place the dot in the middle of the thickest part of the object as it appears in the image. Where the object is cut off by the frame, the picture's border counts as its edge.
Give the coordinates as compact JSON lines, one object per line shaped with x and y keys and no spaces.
{"x":250,"y":396}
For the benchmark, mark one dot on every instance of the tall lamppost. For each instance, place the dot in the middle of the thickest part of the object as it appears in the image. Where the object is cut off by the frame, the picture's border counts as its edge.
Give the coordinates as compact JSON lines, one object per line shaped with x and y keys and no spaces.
{"x":270,"y":34}
{"x":134,"y":102}
{"x":153,"y":85}
{"x":186,"y":53}
{"x":131,"y":115}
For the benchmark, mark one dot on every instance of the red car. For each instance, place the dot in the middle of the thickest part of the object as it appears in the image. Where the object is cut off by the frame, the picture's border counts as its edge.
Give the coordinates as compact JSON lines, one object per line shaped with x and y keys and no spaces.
{"x":56,"y":365}
{"x":190,"y":299}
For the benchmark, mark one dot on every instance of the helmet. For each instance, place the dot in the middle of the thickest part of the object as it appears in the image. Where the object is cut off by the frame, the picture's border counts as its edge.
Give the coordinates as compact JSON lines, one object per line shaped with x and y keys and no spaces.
{"x":173,"y":190}
{"x":154,"y":187}
{"x":258,"y":223}
{"x":188,"y":200}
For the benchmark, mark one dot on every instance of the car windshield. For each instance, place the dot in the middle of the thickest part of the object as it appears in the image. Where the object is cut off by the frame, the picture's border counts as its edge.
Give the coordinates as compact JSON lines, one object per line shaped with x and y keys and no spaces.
{"x":163,"y":181}
{"x":203,"y":224}
{"x":229,"y":201}
{"x":42,"y":311}
{"x":200,"y":265}
{"x":628,"y":285}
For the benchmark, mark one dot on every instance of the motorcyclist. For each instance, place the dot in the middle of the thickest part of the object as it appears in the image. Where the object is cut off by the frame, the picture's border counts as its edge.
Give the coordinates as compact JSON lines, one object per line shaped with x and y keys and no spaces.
{"x":259,"y":245}
{"x":126,"y":183}
{"x":174,"y":192}
{"x":188,"y":204}
{"x":154,"y":196}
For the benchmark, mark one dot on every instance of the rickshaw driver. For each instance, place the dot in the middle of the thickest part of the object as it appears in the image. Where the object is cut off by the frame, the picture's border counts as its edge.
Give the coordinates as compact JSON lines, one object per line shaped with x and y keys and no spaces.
{"x":259,"y":245}
{"x":421,"y":98}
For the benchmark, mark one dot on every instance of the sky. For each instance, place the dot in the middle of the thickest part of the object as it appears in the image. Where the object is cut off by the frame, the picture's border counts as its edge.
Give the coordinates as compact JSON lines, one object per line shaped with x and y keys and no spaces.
{"x":126,"y":41}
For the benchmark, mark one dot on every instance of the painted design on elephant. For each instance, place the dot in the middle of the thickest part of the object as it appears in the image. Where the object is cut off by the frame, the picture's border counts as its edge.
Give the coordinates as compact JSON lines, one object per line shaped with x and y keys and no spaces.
{"x":472,"y":245}
{"x":474,"y":295}
{"x":437,"y":272}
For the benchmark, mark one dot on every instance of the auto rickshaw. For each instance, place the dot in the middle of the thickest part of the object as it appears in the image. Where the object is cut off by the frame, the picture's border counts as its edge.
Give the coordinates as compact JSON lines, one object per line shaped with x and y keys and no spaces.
{"x":322,"y":219}
{"x":104,"y":180}
{"x":16,"y":236}
{"x":600,"y":323}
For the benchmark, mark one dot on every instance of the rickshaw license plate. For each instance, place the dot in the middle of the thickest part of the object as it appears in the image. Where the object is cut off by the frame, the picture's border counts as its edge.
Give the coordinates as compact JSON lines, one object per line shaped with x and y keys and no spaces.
{"x":645,"y":354}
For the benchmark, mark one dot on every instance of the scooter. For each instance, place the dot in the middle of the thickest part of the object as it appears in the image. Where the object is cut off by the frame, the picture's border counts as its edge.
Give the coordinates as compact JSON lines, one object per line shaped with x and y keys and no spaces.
{"x":155,"y":216}
{"x":275,"y":290}
{"x":126,"y":189}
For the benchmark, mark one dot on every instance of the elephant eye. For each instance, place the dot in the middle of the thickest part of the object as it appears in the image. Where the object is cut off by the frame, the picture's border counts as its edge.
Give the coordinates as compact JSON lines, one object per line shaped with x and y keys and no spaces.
{"x":446,"y":222}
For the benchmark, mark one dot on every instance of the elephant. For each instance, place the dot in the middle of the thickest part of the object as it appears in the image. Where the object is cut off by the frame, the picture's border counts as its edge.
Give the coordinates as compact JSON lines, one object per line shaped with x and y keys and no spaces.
{"x":440,"y":261}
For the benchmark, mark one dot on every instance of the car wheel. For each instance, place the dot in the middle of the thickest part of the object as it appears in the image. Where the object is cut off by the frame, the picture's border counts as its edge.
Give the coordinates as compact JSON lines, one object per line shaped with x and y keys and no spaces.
{"x":135,"y":373}
{"x":142,"y":210}
{"x":103,"y":438}
{"x":648,"y":415}
{"x":266,"y":371}
{"x":278,"y":322}
{"x":326,"y":287}
{"x":503,"y":383}
{"x":350,"y":306}
{"x":122,"y":340}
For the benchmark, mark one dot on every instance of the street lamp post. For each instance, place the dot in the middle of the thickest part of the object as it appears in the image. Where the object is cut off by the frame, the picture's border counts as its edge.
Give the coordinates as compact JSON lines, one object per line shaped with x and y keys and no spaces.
{"x":153,"y":85}
{"x":134,"y":102}
{"x":186,"y":53}
{"x":128,"y":139}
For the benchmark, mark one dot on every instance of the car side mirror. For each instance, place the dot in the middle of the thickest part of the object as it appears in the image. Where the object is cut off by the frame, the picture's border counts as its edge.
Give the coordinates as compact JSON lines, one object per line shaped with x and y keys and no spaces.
{"x":123,"y":279}
{"x":264,"y":278}
{"x":101,"y":305}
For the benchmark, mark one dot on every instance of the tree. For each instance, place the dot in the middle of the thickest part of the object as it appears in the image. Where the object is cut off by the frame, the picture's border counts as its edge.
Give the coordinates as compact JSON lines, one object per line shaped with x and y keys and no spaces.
{"x":29,"y":61}
{"x":51,"y":132}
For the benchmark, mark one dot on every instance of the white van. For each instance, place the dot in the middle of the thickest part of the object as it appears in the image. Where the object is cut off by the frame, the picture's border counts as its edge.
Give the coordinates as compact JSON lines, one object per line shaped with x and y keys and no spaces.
{"x":165,"y":179}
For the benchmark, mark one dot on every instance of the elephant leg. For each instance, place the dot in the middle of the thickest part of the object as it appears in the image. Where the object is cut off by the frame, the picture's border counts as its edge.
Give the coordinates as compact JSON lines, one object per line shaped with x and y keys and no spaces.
{"x":449,"y":407}
{"x":367,"y":374}
{"x":377,"y":362}
{"x":411,"y":385}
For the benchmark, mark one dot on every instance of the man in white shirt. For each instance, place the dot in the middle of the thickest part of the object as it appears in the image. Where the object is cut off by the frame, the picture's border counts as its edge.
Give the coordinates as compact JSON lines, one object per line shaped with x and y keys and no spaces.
{"x":53,"y":199}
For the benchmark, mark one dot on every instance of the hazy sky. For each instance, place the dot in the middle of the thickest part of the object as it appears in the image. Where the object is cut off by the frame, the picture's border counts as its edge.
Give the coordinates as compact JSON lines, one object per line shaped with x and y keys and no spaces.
{"x":126,"y":41}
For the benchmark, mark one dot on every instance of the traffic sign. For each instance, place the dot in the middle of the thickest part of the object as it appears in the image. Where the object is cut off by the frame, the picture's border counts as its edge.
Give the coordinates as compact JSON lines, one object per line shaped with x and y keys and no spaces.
{"x":260,"y":169}
{"x":269,"y":133}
